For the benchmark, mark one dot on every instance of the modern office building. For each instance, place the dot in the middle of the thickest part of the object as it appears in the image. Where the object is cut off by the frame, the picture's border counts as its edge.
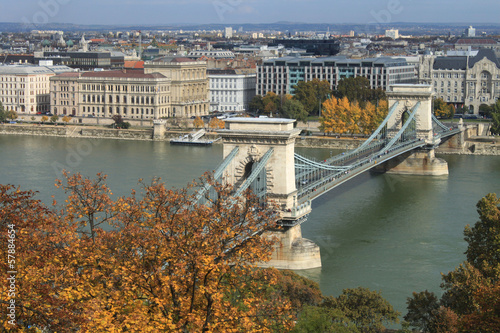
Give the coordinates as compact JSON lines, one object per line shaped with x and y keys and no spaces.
{"x":231,"y":89}
{"x":282,"y":74}
{"x":316,"y":47}
{"x":463,"y":80}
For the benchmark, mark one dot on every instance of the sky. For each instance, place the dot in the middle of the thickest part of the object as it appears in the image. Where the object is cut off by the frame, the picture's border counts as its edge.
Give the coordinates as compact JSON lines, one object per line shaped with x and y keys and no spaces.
{"x":133,"y":12}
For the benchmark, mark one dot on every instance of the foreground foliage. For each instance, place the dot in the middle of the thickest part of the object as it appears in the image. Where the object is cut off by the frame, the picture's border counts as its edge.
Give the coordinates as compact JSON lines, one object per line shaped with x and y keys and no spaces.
{"x":152,"y":262}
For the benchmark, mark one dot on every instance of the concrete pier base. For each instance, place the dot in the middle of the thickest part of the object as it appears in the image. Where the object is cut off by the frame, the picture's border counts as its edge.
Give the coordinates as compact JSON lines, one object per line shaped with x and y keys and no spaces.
{"x":293,"y":251}
{"x":420,"y":163}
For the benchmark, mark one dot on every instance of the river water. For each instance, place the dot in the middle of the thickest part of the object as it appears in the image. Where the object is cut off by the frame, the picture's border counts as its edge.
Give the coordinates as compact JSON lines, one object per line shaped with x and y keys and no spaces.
{"x":385,"y":232}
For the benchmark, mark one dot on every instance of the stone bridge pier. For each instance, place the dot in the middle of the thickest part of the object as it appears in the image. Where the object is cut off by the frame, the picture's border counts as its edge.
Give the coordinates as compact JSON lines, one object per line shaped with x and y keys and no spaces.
{"x":419,"y":161}
{"x":254,"y":137}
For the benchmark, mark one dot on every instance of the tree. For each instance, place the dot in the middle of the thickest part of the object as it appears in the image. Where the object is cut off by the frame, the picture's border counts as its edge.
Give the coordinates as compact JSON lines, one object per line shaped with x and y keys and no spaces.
{"x":293,"y":109}
{"x":495,"y":118}
{"x":3,"y":114}
{"x":312,"y":94}
{"x":335,"y":115}
{"x":66,"y":119}
{"x":422,"y":310}
{"x":315,"y":319}
{"x":44,"y":119}
{"x":33,"y":118}
{"x":216,"y":123}
{"x":165,"y":262}
{"x":368,"y":310}
{"x":54,"y":118}
{"x":358,"y":89}
{"x":198,"y":122}
{"x":443,"y":110}
{"x":12,"y":115}
{"x":256,"y":104}
{"x":271,"y":102}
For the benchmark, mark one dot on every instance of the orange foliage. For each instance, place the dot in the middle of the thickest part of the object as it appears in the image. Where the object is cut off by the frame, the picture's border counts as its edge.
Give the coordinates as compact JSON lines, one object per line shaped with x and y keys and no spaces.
{"x":155,"y":262}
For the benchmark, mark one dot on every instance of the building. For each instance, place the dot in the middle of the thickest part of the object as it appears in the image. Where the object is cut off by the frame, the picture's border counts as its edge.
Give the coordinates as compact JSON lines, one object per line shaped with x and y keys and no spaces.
{"x":392,"y":33}
{"x":470,"y":32}
{"x":282,"y":74}
{"x":132,"y":94}
{"x":465,"y":44}
{"x":189,"y":84}
{"x":316,"y":47}
{"x":213,"y":54}
{"x":84,"y":60}
{"x":231,"y":89}
{"x":228,"y":32}
{"x":463,"y":80}
{"x":25,"y":89}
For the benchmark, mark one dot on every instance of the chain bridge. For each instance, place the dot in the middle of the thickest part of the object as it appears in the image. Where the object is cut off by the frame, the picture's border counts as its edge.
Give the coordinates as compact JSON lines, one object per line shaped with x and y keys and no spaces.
{"x":259,"y":154}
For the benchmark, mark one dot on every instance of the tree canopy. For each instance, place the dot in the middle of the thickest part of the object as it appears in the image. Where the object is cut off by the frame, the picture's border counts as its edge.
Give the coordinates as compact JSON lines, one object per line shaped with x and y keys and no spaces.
{"x":442,"y":109}
{"x":155,"y":260}
{"x":357,"y":89}
{"x":312,"y":94}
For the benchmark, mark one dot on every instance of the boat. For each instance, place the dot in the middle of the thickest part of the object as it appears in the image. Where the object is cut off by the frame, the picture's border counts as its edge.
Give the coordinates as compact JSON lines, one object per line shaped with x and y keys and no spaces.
{"x":192,"y":139}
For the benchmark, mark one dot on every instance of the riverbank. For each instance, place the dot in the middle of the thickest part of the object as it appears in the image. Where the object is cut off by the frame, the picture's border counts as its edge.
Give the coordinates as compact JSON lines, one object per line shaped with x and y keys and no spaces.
{"x":480,"y":145}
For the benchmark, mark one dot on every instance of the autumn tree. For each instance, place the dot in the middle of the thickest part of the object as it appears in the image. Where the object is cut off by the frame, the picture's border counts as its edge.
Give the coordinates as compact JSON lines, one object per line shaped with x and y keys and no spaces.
{"x":312,"y":94}
{"x":54,"y":119}
{"x":3,"y":114}
{"x":44,"y":119}
{"x":198,"y":122}
{"x":157,"y":260}
{"x":442,"y":109}
{"x":216,"y":123}
{"x":271,"y":102}
{"x":66,"y":119}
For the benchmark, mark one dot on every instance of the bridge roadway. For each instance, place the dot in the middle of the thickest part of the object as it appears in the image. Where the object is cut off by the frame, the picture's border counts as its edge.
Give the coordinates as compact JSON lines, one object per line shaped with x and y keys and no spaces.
{"x":316,"y":186}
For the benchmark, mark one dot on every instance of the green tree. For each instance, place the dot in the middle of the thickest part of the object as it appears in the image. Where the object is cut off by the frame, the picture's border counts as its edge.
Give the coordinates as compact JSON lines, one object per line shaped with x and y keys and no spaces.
{"x":293,"y":109}
{"x":312,"y":94}
{"x":485,"y":110}
{"x":358,"y":89}
{"x":367,"y":309}
{"x":256,"y":104}
{"x":12,"y":115}
{"x":3,"y":114}
{"x":495,"y":118}
{"x":314,"y":319}
{"x":422,"y":310}
{"x":54,"y":118}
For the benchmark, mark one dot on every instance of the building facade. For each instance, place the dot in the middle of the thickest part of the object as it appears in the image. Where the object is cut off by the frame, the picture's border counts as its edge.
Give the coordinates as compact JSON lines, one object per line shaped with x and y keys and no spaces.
{"x":25,"y":89}
{"x":282,"y":74}
{"x":189,"y":84}
{"x":129,"y":93}
{"x":231,"y":89}
{"x":463,"y":80}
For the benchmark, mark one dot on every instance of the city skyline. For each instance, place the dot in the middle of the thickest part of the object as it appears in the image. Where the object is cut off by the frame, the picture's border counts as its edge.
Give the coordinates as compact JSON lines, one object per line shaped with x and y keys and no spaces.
{"x":133,"y":12}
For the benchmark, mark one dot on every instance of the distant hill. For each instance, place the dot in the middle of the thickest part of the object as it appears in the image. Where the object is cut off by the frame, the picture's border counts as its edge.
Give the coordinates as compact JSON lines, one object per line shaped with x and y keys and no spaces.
{"x":404,"y":27}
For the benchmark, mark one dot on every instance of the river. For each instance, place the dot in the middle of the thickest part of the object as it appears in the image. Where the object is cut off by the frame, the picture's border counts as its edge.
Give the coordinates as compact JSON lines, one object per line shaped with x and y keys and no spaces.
{"x":385,"y":232}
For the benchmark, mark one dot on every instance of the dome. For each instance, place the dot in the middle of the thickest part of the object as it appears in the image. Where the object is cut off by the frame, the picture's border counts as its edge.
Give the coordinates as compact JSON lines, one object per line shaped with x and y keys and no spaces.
{"x":45,"y":43}
{"x":70,"y":43}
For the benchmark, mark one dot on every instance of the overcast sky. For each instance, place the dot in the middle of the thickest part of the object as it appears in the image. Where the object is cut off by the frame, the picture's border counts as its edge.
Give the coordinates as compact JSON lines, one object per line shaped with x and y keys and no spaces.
{"x":248,"y":11}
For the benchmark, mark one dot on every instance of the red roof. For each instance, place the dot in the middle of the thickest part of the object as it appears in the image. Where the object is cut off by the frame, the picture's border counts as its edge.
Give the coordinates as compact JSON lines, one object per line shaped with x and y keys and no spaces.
{"x":134,"y":64}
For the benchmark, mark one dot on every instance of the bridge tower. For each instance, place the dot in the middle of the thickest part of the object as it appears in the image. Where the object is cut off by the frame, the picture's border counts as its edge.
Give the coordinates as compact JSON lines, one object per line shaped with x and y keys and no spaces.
{"x":255,"y":137}
{"x":421,"y":161}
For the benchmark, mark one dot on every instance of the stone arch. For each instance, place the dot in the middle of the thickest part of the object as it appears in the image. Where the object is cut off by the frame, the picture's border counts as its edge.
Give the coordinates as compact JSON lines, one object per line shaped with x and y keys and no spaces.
{"x":245,"y":167}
